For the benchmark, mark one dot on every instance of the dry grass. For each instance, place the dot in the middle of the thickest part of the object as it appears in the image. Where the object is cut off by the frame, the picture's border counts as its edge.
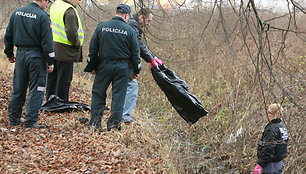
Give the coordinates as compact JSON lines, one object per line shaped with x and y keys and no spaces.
{"x":218,"y":69}
{"x":222,"y":74}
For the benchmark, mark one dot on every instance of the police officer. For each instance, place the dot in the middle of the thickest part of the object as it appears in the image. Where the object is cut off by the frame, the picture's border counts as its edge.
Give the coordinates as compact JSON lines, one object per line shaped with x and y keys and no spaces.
{"x":68,"y":37}
{"x":138,"y":21}
{"x":113,"y":48}
{"x":29,"y":30}
{"x":272,"y":147}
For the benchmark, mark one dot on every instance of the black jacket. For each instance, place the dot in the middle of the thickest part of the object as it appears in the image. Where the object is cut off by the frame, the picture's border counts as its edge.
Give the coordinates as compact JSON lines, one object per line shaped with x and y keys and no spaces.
{"x":29,"y":27}
{"x":272,"y":146}
{"x":114,"y":40}
{"x":145,"y":53}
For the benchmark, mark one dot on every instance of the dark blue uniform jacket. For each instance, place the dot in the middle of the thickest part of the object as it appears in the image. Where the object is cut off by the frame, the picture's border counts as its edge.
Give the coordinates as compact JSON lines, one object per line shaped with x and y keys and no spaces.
{"x":114,"y":40}
{"x":30,"y":27}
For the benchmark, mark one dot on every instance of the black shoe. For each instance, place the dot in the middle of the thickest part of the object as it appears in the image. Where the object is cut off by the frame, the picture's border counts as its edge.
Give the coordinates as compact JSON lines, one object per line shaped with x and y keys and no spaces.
{"x":37,"y":126}
{"x":132,"y":122}
{"x":128,"y":121}
{"x":91,"y":127}
{"x":109,"y":128}
{"x":82,"y":120}
{"x":14,"y":124}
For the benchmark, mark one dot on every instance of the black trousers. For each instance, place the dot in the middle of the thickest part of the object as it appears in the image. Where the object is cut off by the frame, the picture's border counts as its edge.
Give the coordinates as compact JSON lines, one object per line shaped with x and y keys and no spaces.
{"x":59,"y":80}
{"x":117,"y":74}
{"x":30,"y":72}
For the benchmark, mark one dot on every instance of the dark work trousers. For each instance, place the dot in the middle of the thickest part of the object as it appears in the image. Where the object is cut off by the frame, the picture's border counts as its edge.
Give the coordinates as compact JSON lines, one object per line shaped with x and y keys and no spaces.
{"x":274,"y":168}
{"x":59,"y":80}
{"x":117,"y":74}
{"x":30,"y":71}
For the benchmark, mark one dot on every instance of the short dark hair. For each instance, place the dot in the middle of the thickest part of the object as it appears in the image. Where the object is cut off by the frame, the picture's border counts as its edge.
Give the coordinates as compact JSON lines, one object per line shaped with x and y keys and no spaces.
{"x":145,"y":11}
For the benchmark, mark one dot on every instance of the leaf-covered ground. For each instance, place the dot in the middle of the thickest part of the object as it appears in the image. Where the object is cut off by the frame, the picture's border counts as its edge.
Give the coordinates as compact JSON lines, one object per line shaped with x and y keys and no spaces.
{"x":68,"y":146}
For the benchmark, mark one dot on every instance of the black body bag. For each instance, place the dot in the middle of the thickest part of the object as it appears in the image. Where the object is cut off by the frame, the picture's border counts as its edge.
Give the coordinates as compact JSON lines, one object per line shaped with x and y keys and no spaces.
{"x":188,"y":106}
{"x":56,"y":104}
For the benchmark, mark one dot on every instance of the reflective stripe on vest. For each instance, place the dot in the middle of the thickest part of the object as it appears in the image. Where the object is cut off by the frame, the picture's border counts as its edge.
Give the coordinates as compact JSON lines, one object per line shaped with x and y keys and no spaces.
{"x":57,"y":12}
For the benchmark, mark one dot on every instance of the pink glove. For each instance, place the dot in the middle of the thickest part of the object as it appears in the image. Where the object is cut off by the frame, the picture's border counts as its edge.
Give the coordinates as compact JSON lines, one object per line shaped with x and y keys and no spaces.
{"x":158,"y":61}
{"x":154,"y":64}
{"x":257,"y":169}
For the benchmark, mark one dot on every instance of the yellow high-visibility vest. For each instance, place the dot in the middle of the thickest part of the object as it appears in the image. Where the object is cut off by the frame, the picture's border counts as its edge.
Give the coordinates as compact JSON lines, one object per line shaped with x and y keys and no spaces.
{"x":57,"y":12}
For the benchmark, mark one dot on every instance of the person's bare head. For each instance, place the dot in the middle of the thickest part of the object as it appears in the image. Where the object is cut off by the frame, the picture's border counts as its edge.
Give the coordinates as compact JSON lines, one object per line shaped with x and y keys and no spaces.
{"x":145,"y":16}
{"x":275,"y":111}
{"x":124,"y":11}
{"x":43,"y":4}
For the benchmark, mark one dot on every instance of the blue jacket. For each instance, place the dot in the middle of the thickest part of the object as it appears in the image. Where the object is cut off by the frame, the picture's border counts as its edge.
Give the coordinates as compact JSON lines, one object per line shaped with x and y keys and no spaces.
{"x":30,"y":27}
{"x":114,"y":40}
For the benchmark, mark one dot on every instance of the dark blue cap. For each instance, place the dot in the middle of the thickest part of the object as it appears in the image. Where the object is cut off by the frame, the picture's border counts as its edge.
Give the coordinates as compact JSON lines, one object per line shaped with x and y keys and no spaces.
{"x":123,"y":8}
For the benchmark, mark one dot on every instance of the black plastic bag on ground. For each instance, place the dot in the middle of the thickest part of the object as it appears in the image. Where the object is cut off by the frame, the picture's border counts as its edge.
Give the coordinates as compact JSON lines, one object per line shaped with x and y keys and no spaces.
{"x":187,"y":105}
{"x":56,"y":104}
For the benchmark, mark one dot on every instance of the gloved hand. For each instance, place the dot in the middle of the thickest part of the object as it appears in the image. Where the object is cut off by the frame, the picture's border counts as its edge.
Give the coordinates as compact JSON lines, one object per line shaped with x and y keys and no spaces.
{"x":257,"y":169}
{"x":155,"y":62}
{"x":158,"y":61}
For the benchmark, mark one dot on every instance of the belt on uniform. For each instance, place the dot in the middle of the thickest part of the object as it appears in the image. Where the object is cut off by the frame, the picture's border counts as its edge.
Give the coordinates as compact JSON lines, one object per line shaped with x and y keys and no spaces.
{"x":28,"y":49}
{"x":116,"y":61}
